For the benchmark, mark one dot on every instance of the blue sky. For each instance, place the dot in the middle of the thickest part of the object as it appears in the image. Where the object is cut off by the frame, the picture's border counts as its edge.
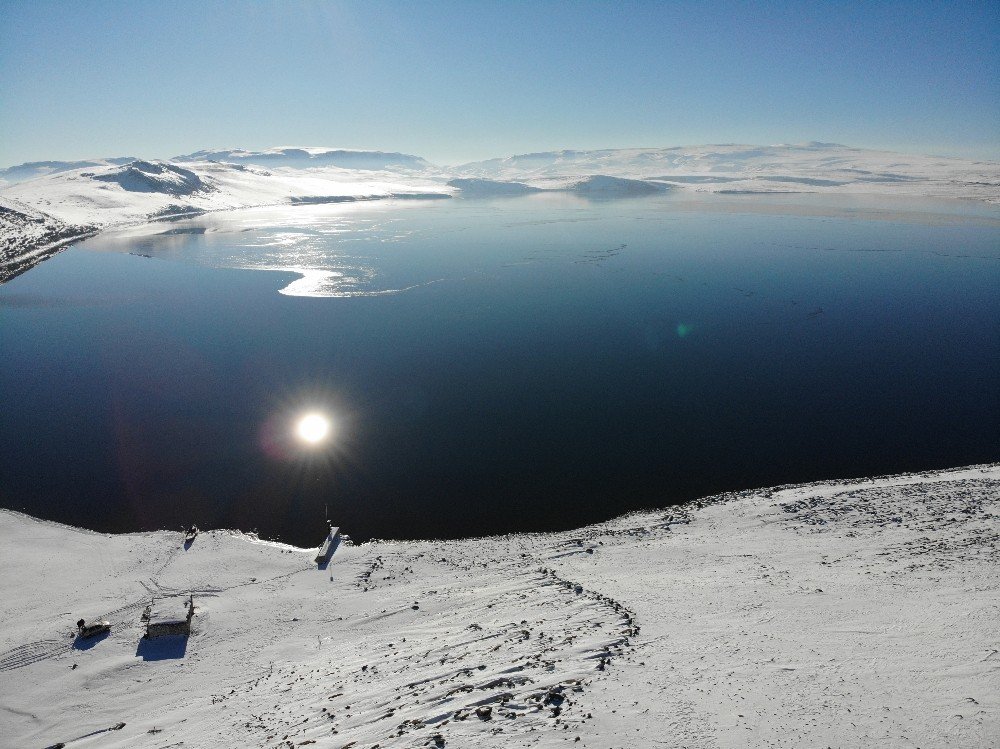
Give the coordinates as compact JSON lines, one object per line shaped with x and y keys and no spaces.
{"x":456,"y":81}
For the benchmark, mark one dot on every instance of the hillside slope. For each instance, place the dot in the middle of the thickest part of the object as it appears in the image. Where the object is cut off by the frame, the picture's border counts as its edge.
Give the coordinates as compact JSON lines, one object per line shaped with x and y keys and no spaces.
{"x":838,"y":614}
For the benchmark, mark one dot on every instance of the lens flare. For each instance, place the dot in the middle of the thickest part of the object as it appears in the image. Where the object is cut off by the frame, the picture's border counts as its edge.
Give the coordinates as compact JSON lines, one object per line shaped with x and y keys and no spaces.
{"x":313,"y":428}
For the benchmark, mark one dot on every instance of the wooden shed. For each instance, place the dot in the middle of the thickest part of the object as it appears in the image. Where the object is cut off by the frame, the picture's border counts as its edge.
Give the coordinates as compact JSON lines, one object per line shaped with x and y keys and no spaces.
{"x":326,"y":550}
{"x":169,"y":616}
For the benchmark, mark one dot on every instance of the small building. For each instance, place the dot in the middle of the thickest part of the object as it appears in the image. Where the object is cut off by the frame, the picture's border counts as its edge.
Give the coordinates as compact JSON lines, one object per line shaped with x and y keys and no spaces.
{"x":329,"y":546}
{"x":169,"y":616}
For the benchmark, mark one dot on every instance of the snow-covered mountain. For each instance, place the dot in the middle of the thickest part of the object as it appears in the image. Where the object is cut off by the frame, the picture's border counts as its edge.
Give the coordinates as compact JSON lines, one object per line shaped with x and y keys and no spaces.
{"x":731,"y":168}
{"x":850,"y":614}
{"x":148,"y":176}
{"x":715,"y":160}
{"x":304,"y":158}
{"x":145,"y":190}
{"x":289,"y":157}
{"x":33,"y":169}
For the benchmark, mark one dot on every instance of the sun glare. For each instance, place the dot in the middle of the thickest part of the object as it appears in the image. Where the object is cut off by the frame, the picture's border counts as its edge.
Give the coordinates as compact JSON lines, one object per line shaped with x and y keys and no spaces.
{"x":313,"y":428}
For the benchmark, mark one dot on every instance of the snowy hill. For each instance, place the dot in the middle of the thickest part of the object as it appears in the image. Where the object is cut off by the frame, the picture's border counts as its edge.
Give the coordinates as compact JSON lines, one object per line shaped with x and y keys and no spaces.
{"x":144,"y":190}
{"x":33,"y":169}
{"x":146,"y":176}
{"x":833,"y":614}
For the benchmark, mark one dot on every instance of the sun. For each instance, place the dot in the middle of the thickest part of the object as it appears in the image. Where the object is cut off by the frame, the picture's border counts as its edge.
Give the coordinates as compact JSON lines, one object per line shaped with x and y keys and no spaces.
{"x":313,"y":428}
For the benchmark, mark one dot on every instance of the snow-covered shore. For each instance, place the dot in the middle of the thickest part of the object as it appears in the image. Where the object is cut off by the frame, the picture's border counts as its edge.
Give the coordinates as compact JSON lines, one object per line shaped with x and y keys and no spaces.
{"x":28,"y":236}
{"x":856,"y":613}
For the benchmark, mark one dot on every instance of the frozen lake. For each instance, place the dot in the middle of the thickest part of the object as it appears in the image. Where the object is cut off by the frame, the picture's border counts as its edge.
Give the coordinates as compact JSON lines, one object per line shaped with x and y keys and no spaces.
{"x":521,"y":364}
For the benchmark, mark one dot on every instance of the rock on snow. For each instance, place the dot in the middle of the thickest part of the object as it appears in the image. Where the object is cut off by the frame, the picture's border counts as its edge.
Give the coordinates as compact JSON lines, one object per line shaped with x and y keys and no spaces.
{"x":857,"y":613}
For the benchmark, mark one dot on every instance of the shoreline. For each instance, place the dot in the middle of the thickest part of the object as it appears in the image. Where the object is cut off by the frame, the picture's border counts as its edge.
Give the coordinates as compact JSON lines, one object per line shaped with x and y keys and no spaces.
{"x":683,"y":507}
{"x":697,"y":503}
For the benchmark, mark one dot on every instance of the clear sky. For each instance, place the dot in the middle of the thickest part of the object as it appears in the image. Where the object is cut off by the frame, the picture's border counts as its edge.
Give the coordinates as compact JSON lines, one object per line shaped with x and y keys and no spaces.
{"x":456,"y":81}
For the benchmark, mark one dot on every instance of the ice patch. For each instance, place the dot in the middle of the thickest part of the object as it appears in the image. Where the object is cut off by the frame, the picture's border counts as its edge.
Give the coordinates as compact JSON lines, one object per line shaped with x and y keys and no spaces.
{"x":335,"y":284}
{"x":313,"y":282}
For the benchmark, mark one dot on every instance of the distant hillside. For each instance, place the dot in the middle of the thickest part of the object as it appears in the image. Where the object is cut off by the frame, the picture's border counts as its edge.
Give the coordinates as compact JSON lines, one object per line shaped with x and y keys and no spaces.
{"x":32,"y":169}
{"x":743,"y":169}
{"x":725,"y":160}
{"x":311,"y":157}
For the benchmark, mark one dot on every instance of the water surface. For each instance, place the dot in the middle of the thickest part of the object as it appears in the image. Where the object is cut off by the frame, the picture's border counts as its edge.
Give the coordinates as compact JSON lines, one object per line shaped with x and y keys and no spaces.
{"x":491,"y":366}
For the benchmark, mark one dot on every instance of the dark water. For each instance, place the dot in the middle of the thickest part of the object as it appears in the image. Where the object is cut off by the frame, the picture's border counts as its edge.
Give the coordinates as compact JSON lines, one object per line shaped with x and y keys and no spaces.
{"x":550,"y":362}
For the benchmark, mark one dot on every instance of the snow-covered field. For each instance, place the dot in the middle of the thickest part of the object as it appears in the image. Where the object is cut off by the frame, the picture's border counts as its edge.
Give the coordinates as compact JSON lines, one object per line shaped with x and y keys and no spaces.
{"x":848,"y":614}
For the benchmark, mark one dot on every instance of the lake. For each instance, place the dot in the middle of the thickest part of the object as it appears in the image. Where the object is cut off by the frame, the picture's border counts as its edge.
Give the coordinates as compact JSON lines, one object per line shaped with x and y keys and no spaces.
{"x":488,"y":366}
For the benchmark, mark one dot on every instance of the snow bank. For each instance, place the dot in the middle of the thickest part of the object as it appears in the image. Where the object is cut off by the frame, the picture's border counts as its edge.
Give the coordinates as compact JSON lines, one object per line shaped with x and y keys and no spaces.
{"x":858,"y":613}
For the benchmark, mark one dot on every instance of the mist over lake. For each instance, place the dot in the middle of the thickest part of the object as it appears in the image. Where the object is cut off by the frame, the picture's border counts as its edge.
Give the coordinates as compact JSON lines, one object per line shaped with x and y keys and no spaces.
{"x":489,"y":366}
